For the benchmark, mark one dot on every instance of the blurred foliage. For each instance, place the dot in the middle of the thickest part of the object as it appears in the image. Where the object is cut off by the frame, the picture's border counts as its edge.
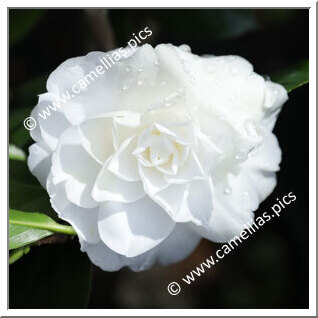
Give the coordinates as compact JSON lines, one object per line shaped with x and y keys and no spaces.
{"x":21,"y":22}
{"x":25,"y":192}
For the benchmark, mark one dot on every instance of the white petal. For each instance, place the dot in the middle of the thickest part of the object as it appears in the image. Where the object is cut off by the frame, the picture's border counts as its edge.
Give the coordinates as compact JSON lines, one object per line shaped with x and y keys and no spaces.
{"x":50,"y":124}
{"x":71,"y":163}
{"x":110,"y":187}
{"x":108,"y":260}
{"x":153,"y":180}
{"x":172,"y":200}
{"x":191,"y":170}
{"x":199,"y":204}
{"x":178,"y":245}
{"x":123,"y":163}
{"x":134,"y":228}
{"x":39,"y":162}
{"x":96,"y":137}
{"x":83,"y":220}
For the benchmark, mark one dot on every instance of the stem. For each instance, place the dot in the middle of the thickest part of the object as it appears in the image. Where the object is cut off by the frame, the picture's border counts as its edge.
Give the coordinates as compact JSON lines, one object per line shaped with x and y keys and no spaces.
{"x":59,"y":228}
{"x":17,"y":254}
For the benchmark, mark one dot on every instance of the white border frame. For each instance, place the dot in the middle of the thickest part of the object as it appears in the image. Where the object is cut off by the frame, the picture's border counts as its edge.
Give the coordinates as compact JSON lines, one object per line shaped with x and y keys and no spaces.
{"x":312,"y":159}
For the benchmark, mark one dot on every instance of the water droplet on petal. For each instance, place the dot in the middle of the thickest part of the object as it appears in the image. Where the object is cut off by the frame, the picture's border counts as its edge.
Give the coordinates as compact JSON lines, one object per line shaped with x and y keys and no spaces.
{"x":230,"y":58}
{"x":211,"y":68}
{"x":185,"y":48}
{"x":185,"y":66}
{"x":251,"y":128}
{"x":139,"y":83}
{"x":192,"y":79}
{"x":125,"y":86}
{"x":227,"y":190}
{"x":128,"y":69}
{"x":232,"y":97}
{"x":216,"y":80}
{"x":241,"y":155}
{"x":156,"y":62}
{"x":139,"y":70}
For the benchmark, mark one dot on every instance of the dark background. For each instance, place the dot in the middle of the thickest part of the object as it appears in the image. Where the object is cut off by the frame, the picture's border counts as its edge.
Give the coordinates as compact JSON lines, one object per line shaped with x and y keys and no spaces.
{"x":270,"y":269}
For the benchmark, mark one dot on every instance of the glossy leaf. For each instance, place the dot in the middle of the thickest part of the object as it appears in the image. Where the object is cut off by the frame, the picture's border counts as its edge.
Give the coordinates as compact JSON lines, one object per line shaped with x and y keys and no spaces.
{"x":38,"y":221}
{"x":20,"y":235}
{"x":25,"y":192}
{"x":294,"y":76}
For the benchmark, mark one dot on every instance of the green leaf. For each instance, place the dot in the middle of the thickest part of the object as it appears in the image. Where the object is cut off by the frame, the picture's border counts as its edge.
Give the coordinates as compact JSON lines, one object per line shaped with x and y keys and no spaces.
{"x":294,"y":76}
{"x":21,"y":22}
{"x":20,"y":235}
{"x":16,"y":153}
{"x":51,"y":276}
{"x":25,"y":192}
{"x":38,"y":221}
{"x":17,"y":254}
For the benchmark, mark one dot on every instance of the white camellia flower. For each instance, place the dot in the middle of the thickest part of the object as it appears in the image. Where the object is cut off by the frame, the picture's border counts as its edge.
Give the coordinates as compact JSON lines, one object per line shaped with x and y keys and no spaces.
{"x":164,"y":148}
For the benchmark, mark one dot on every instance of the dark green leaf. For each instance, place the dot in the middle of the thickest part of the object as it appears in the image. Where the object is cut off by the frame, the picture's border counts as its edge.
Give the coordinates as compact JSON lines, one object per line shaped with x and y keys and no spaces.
{"x":25,"y":192}
{"x":51,"y":276}
{"x":294,"y":76}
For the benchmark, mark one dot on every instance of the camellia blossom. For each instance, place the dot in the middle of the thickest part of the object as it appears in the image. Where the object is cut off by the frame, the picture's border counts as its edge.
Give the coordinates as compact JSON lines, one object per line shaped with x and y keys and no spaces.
{"x":163,"y":149}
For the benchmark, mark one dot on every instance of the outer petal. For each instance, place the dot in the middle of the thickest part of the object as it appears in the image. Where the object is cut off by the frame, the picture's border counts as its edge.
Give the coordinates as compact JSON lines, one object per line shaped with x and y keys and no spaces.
{"x":179,"y":245}
{"x":39,"y":162}
{"x":176,"y":247}
{"x":108,"y":260}
{"x":83,"y":220}
{"x":132,"y":229}
{"x":235,"y":201}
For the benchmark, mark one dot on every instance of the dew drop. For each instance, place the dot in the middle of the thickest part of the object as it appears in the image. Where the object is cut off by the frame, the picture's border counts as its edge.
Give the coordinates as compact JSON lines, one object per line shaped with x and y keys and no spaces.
{"x":139,"y":83}
{"x":251,"y":128}
{"x":211,"y":68}
{"x":139,"y":70}
{"x":230,"y":58}
{"x":216,"y":80}
{"x":125,"y":86}
{"x":185,"y":66}
{"x":192,"y":79}
{"x":240,"y":155}
{"x":185,"y":48}
{"x":227,"y":190}
{"x":156,"y":62}
{"x":128,"y":69}
{"x":232,"y":97}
